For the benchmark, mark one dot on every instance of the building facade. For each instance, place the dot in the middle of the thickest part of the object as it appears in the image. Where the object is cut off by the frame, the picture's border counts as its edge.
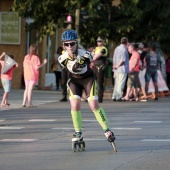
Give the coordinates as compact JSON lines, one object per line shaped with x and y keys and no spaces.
{"x":19,"y":47}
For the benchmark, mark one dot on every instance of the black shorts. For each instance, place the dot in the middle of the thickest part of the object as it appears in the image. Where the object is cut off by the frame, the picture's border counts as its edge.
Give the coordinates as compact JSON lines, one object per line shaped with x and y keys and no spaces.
{"x":76,"y":87}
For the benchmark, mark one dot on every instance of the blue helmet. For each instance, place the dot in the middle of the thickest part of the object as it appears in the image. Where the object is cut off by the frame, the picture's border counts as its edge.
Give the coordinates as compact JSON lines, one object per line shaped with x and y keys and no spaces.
{"x":69,"y":35}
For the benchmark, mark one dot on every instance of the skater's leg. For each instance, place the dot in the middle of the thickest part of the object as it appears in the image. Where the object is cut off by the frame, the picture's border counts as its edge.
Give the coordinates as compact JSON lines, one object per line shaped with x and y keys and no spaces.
{"x":102,"y":119}
{"x":77,"y":120}
{"x":77,"y":123}
{"x":99,"y":114}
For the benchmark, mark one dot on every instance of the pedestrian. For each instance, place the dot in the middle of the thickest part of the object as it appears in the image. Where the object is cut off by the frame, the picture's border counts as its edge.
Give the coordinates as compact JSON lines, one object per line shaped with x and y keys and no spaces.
{"x":6,"y":79}
{"x":120,"y":68}
{"x":168,"y":71}
{"x":56,"y":67}
{"x":64,"y":78}
{"x":140,"y":48}
{"x":99,"y":66}
{"x":151,"y":62}
{"x":82,"y":78}
{"x":65,"y":75}
{"x":31,"y":65}
{"x":133,"y":80}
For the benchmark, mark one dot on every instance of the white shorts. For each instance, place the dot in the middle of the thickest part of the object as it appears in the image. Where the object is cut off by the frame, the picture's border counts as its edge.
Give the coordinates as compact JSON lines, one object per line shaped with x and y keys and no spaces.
{"x":6,"y":85}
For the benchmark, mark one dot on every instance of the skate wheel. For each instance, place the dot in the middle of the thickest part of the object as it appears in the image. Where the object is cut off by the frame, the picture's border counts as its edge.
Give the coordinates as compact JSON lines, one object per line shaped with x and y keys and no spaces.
{"x":83,"y":146}
{"x":74,"y":146}
{"x":79,"y":149}
{"x":114,"y":146}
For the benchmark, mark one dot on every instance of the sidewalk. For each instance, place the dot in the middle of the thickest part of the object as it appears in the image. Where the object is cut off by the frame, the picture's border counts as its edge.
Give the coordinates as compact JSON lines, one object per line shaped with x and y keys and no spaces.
{"x":47,"y":96}
{"x":39,"y":97}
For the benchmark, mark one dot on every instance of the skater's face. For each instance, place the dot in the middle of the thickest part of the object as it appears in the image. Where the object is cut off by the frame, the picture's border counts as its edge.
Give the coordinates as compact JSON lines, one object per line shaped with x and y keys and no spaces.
{"x":70,"y":46}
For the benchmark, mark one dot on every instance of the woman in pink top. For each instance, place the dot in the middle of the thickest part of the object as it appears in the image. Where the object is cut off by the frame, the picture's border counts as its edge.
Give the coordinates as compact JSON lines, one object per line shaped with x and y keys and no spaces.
{"x":31,"y":66}
{"x":6,"y":79}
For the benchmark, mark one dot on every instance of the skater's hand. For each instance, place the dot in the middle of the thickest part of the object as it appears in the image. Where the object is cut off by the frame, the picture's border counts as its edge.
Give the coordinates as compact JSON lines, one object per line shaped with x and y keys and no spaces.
{"x":92,"y":64}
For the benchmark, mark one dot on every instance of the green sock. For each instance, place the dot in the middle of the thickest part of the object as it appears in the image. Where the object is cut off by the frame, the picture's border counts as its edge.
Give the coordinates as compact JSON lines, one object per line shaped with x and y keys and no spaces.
{"x":77,"y":120}
{"x":101,"y":118}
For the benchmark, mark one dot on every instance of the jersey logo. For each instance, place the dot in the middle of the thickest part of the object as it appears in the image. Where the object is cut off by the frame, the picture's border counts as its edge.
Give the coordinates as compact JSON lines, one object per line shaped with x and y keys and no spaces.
{"x":65,"y":62}
{"x":81,"y":60}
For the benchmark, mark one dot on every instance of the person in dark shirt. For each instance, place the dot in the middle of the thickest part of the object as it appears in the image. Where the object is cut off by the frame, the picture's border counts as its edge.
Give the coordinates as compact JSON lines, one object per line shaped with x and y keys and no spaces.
{"x":151,"y":62}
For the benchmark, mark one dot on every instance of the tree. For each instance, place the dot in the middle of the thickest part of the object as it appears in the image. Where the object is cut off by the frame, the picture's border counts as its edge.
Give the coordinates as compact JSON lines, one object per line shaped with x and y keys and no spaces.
{"x":45,"y":13}
{"x":139,"y":20}
{"x":147,"y":21}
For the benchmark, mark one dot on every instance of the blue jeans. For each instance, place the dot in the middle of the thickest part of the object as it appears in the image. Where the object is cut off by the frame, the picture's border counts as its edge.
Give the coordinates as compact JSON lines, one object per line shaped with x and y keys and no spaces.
{"x":151,"y":74}
{"x":120,"y":79}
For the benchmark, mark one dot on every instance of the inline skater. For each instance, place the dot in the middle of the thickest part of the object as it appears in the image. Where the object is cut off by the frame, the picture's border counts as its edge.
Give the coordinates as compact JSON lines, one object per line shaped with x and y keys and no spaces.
{"x":82,"y":78}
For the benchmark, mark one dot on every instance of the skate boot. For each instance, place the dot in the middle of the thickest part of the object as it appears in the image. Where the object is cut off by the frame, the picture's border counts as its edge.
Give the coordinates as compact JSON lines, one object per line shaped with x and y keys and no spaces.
{"x":77,"y":142}
{"x":77,"y":136}
{"x":111,"y":138}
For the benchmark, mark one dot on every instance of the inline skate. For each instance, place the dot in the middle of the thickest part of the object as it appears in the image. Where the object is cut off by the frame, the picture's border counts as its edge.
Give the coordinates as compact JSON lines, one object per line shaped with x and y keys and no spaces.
{"x":111,"y":138}
{"x":77,"y":142}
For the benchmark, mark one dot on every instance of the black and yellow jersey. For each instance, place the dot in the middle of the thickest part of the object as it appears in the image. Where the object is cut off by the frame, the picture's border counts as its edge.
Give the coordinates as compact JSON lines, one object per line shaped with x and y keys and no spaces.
{"x":79,"y":65}
{"x":102,"y":59}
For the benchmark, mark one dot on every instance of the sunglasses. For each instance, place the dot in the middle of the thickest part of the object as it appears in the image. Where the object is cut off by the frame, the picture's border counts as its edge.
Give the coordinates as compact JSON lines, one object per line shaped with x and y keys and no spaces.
{"x":71,"y":44}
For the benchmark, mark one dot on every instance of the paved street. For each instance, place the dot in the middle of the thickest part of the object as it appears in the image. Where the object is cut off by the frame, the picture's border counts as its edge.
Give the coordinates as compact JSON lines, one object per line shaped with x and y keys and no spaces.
{"x":39,"y":138}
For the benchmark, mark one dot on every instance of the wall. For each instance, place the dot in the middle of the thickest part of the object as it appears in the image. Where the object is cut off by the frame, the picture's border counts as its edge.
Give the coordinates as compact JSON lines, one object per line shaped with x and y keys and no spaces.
{"x":18,"y":51}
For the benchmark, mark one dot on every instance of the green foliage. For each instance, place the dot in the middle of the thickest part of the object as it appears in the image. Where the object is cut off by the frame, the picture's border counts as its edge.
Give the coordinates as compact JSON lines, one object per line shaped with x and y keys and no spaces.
{"x":139,"y":20}
{"x":46,"y":14}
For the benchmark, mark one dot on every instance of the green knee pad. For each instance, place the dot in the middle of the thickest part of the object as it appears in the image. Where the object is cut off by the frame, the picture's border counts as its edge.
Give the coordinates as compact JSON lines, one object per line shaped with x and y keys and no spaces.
{"x":101,"y":118}
{"x":77,"y":120}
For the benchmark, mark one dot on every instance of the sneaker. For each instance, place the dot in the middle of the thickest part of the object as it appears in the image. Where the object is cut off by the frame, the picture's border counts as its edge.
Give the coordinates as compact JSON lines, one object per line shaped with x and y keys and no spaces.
{"x":144,"y":100}
{"x":77,"y":136}
{"x":155,"y":98}
{"x":110,"y":136}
